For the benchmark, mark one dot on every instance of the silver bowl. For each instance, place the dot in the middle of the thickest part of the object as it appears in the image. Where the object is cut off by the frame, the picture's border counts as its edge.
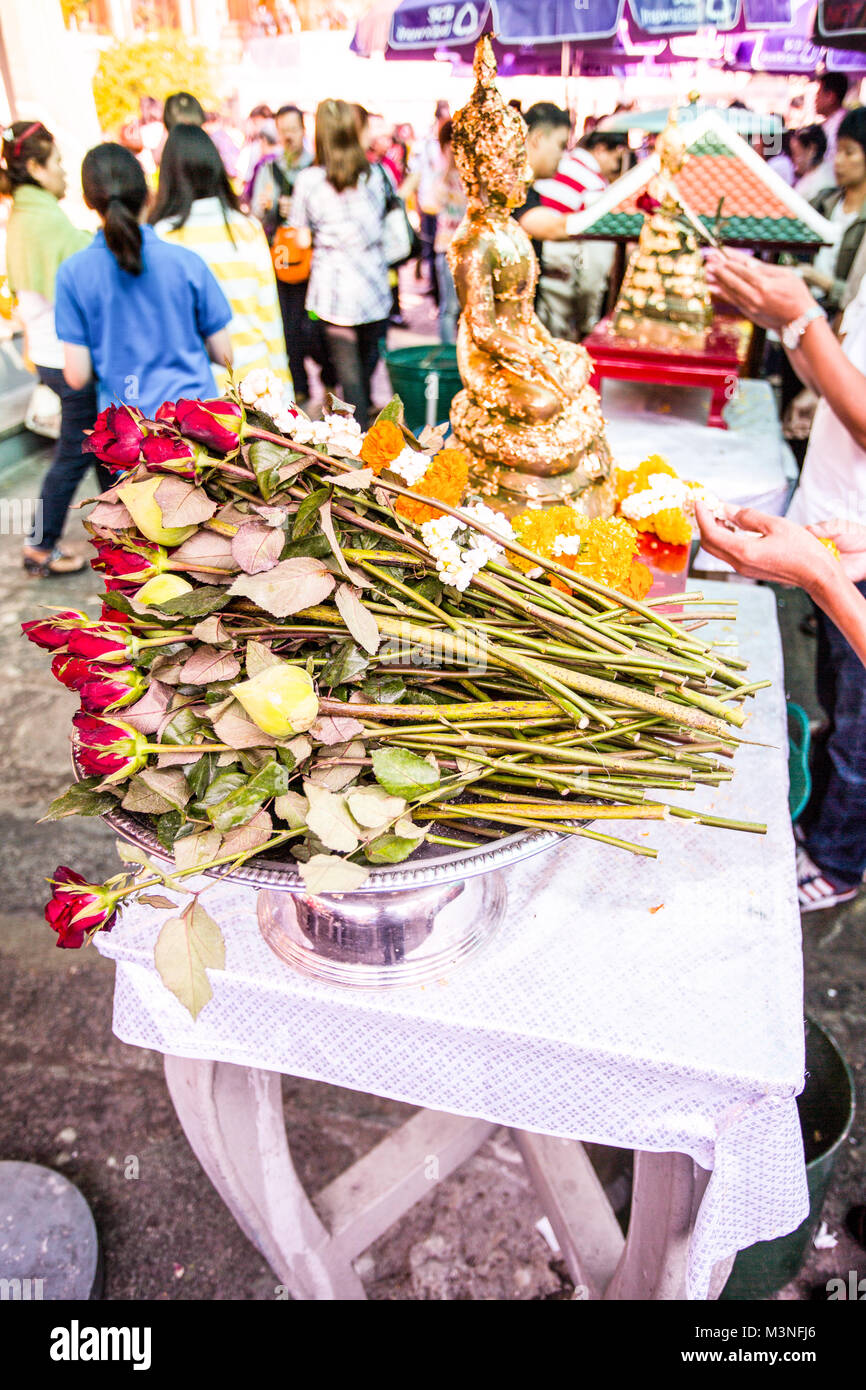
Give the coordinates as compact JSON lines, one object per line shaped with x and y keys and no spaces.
{"x":409,"y":924}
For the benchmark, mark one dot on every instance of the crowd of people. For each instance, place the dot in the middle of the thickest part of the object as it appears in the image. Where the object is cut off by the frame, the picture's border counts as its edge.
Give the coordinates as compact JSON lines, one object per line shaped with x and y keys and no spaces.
{"x":276,"y":254}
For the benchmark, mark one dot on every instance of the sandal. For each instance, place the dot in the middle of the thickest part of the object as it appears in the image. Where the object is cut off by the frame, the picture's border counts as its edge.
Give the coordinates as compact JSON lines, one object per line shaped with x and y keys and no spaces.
{"x":54,"y":561}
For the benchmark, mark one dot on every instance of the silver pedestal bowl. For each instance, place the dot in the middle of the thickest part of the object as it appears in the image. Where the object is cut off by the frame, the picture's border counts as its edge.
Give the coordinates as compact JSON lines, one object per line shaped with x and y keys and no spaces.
{"x":409,"y":924}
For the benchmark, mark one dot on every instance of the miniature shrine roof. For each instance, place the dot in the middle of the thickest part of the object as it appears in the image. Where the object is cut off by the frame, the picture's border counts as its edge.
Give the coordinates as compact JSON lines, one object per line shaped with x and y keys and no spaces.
{"x":759,"y":208}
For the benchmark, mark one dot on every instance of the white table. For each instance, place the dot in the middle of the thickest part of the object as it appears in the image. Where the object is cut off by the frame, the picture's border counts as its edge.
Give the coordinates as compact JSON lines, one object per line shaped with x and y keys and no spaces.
{"x":749,"y":464}
{"x":655,"y":1005}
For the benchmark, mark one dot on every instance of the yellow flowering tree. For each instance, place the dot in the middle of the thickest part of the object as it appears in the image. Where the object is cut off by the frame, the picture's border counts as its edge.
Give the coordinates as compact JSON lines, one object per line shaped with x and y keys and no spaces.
{"x":153,"y":67}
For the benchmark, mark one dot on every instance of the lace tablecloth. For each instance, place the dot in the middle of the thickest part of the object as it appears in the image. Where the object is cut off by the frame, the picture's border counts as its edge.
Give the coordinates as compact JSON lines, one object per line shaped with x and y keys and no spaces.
{"x":653,"y":1004}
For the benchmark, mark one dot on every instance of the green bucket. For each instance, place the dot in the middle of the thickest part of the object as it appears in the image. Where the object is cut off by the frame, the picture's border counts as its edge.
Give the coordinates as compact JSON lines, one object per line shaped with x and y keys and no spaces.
{"x":826,"y":1107}
{"x":426,"y":379}
{"x":799,"y":777}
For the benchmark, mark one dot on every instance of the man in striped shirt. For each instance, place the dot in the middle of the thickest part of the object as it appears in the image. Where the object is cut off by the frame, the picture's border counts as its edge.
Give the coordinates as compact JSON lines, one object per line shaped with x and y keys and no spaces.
{"x":573,"y":274}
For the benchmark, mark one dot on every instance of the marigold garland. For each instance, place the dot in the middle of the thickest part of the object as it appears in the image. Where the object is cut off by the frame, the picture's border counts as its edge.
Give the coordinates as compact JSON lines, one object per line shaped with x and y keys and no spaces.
{"x":606,"y":554}
{"x":383,"y":443}
{"x":444,"y":481}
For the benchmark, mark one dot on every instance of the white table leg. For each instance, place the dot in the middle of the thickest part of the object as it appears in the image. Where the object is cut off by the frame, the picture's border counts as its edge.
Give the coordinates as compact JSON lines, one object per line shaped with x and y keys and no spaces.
{"x":233,"y":1118}
{"x":667,"y":1191}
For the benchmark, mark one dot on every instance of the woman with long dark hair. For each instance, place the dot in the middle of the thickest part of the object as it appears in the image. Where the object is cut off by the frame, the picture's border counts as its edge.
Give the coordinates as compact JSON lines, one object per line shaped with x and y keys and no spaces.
{"x":39,"y":238}
{"x":197,"y":207}
{"x":339,"y":206}
{"x":143,"y":317}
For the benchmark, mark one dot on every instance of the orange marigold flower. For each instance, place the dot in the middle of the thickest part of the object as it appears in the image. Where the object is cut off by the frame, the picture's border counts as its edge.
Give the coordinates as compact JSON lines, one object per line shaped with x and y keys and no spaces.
{"x":639,"y":581}
{"x":383,"y":442}
{"x":444,"y":481}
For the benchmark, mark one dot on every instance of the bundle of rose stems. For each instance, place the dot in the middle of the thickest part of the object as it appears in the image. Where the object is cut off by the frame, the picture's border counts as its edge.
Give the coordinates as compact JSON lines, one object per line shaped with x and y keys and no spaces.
{"x":310,"y":646}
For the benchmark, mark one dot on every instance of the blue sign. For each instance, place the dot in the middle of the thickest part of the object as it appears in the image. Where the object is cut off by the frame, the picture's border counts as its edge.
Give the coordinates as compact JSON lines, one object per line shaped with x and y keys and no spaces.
{"x":685,"y":16}
{"x":768,"y":14}
{"x":431,"y":26}
{"x":554,"y":21}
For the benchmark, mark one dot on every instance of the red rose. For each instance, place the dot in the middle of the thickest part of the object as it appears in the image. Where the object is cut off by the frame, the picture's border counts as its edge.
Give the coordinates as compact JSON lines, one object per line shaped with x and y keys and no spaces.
{"x":71,"y":671}
{"x":107,"y":641}
{"x":127,"y":568}
{"x":647,"y":203}
{"x":216,"y":424}
{"x":165,"y":414}
{"x":117,"y":436}
{"x":53,"y":633}
{"x":168,"y":454}
{"x":108,"y":748}
{"x":112,"y":615}
{"x":109,"y":688}
{"x":78,"y":909}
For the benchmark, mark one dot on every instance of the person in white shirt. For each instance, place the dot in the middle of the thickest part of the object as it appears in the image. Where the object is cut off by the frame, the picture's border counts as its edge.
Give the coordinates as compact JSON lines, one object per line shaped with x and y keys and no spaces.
{"x":832,"y":855}
{"x":830,"y":106}
{"x":812,"y":173}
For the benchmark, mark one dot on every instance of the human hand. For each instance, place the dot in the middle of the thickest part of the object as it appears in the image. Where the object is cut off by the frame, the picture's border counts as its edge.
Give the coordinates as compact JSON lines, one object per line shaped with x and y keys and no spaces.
{"x":770,"y":295}
{"x":850,"y":540}
{"x":284,"y":204}
{"x":766,"y":547}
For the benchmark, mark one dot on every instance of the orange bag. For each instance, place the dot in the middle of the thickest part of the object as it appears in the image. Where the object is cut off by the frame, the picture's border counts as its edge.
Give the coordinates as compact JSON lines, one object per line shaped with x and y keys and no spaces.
{"x":291,"y":261}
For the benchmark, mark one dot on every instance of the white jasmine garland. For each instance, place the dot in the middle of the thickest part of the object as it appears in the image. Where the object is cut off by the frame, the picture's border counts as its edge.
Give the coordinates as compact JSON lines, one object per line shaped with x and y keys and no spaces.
{"x":259,"y":383}
{"x":566,"y":545}
{"x":456,"y":565}
{"x":410,"y":465}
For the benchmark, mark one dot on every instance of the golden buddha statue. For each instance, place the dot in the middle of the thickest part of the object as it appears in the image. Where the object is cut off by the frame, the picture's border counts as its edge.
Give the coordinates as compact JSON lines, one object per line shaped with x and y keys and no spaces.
{"x":664,"y":300}
{"x":528,"y":417}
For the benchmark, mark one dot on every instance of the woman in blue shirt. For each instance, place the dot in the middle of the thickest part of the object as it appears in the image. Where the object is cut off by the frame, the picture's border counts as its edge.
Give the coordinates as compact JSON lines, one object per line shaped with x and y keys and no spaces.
{"x":144,"y":317}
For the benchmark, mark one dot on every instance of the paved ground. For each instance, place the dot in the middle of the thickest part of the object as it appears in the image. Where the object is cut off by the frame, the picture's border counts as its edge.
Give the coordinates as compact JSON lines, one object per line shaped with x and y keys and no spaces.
{"x":78,"y":1100}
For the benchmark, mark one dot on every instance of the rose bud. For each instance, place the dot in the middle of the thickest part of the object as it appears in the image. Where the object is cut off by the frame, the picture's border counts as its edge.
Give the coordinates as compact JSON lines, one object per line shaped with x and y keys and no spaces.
{"x":127,"y":567}
{"x":168,"y":454}
{"x":77,"y":908}
{"x":105,"y":641}
{"x":216,"y":424}
{"x":71,"y":671}
{"x":117,"y":437}
{"x":107,"y":748}
{"x":111,"y":687}
{"x":162,"y":588}
{"x":53,"y":633}
{"x":165,"y":414}
{"x":140,"y":501}
{"x":112,"y":615}
{"x":281,"y":699}
{"x":647,"y":203}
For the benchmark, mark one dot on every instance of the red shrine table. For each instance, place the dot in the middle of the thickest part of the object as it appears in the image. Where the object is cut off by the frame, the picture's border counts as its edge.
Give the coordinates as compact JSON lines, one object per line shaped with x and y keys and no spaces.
{"x":717,"y":365}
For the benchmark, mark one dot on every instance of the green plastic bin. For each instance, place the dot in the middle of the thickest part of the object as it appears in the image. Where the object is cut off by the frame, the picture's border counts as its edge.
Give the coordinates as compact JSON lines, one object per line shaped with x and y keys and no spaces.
{"x":826,"y":1108}
{"x":426,"y":379}
{"x":799,"y":777}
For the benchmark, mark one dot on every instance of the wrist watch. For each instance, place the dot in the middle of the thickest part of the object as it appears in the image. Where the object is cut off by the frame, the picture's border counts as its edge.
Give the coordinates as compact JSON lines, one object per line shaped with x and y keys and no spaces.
{"x":792,"y":332}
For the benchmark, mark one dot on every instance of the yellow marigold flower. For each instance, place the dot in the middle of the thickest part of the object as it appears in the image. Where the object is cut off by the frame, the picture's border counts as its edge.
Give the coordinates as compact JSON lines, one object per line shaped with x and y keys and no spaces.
{"x":607,"y":549}
{"x":831,"y":546}
{"x":444,"y":481}
{"x":538,"y":530}
{"x":653,"y":464}
{"x":670,"y":525}
{"x":629,"y":480}
{"x":383,"y":442}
